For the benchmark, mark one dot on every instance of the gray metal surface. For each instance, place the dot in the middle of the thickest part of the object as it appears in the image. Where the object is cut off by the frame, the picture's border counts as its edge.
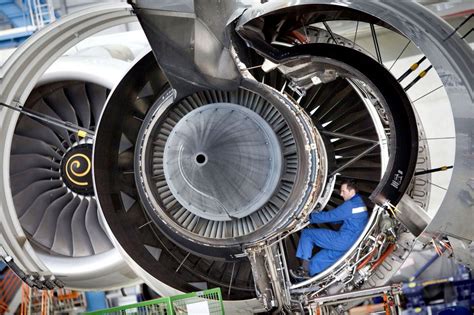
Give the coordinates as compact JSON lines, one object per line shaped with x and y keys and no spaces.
{"x":18,"y":76}
{"x":300,"y":166}
{"x":361,"y":293}
{"x":222,"y":161}
{"x":463,"y":251}
{"x":412,"y":215}
{"x":189,"y":42}
{"x":140,"y":239}
{"x":411,"y":25}
{"x":450,"y":56}
{"x":453,"y":59}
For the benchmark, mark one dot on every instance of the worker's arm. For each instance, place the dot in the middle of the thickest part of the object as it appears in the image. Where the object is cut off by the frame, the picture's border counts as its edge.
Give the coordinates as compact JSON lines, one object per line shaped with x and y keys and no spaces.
{"x":340,"y":213}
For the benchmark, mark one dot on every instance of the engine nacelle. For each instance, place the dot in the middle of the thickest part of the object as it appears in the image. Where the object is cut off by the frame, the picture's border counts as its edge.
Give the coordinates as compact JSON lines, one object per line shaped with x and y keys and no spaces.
{"x":214,"y":148}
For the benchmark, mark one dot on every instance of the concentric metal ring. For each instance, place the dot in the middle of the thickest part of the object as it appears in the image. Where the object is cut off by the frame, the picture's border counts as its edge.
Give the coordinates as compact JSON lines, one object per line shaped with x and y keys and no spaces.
{"x":222,"y":161}
{"x":262,"y":199}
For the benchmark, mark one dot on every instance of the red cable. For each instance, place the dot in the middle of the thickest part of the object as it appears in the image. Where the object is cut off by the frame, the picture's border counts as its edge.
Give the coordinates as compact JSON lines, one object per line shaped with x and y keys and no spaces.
{"x":387,"y":252}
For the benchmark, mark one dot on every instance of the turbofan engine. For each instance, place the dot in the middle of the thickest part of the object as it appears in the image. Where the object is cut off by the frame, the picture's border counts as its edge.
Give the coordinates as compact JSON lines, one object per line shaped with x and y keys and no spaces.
{"x":216,"y":145}
{"x":50,"y":179}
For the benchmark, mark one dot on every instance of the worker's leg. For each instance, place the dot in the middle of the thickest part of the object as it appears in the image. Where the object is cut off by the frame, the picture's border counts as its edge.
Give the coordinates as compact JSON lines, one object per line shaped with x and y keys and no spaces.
{"x":323,"y":238}
{"x":303,"y":252}
{"x":305,"y":244}
{"x":323,"y":260}
{"x":309,"y":238}
{"x":332,"y":245}
{"x":330,"y":239}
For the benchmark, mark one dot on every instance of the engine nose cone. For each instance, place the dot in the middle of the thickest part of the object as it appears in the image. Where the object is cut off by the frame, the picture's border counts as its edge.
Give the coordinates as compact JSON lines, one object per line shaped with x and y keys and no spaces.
{"x":76,"y":169}
{"x":222,"y":161}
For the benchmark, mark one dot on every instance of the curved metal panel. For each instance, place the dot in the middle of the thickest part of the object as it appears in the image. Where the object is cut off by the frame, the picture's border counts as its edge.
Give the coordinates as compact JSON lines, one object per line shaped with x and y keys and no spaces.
{"x":451,"y":57}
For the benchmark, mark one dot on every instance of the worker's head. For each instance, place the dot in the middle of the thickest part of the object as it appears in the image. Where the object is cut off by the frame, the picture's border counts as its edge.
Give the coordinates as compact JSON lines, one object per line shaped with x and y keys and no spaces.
{"x":348,"y":189}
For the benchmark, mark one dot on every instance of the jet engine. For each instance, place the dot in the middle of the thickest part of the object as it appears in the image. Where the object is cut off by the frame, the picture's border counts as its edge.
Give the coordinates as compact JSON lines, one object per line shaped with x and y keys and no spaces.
{"x":50,"y":181}
{"x":244,"y":117}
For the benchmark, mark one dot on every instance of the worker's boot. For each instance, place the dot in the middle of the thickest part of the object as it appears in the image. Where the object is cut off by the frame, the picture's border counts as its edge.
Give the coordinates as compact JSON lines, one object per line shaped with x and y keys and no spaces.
{"x":305,"y":266}
{"x":302,"y":272}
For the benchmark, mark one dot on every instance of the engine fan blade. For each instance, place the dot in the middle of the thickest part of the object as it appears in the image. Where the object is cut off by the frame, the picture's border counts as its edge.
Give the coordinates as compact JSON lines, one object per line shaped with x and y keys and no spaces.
{"x":21,"y":180}
{"x":81,"y":243}
{"x":45,"y":109}
{"x":30,"y":128}
{"x":22,"y":162}
{"x":31,"y":217}
{"x":26,"y":145}
{"x":62,"y":243}
{"x":96,"y":233}
{"x":97,"y":97}
{"x":78,"y":97}
{"x":45,"y":231}
{"x":24,"y":199}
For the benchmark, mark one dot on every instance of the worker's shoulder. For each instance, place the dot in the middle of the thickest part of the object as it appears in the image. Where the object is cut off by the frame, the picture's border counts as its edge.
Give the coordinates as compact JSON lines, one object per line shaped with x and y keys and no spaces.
{"x":357,"y":201}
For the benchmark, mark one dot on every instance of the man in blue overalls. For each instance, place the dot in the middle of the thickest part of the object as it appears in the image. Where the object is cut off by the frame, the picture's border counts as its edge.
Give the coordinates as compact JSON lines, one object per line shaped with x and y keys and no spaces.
{"x":333,"y":244}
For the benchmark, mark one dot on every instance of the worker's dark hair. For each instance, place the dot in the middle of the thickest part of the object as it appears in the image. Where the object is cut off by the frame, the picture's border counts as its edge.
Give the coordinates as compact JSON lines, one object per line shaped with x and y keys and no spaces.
{"x":350,"y":183}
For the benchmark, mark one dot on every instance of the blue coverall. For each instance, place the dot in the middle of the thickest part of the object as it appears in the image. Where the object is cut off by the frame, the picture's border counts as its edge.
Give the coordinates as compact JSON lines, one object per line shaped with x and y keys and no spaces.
{"x":333,"y":244}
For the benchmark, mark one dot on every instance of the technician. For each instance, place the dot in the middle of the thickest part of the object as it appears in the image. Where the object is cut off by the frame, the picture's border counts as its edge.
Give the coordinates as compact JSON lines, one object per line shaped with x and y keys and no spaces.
{"x":333,"y":244}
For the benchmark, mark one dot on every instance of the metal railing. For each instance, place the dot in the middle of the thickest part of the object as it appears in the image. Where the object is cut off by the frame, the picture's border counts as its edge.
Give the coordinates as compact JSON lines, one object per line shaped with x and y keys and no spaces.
{"x":208,"y":302}
{"x":41,"y":12}
{"x":45,"y":302}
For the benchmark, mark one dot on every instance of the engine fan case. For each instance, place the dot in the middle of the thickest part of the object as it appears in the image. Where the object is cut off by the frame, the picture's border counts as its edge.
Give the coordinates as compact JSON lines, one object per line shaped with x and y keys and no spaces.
{"x":103,"y":271}
{"x":106,"y":270}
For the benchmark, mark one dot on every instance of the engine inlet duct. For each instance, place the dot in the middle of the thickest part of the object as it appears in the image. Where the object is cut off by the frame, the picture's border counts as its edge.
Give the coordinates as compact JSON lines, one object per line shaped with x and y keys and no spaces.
{"x":51,"y":229}
{"x":51,"y":171}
